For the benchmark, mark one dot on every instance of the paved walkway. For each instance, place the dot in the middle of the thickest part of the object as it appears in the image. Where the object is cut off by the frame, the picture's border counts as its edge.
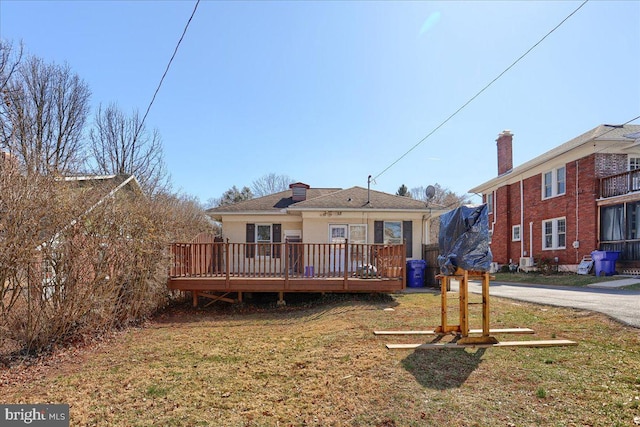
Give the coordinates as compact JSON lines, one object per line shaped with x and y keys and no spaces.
{"x":605,"y":297}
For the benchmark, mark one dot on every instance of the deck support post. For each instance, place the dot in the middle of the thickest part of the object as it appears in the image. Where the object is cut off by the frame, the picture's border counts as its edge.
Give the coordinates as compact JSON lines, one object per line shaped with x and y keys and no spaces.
{"x":281,"y":301}
{"x":194,"y":296}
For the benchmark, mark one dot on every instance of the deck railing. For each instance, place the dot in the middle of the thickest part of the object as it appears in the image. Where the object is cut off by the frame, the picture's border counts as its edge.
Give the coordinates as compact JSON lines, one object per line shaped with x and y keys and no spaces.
{"x":292,"y":260}
{"x":620,"y":184}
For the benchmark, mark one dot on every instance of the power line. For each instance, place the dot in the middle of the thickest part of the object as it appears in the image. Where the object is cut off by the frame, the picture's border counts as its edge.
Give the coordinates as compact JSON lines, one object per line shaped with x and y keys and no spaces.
{"x":481,"y":90}
{"x":610,"y":130}
{"x":175,"y":51}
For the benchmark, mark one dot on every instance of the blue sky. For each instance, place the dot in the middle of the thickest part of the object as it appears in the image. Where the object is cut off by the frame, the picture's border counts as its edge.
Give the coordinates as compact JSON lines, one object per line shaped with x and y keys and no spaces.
{"x":331,"y":92}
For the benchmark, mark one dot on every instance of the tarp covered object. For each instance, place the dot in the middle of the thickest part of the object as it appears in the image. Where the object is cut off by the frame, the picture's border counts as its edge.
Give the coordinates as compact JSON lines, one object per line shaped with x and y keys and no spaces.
{"x":464,"y":240}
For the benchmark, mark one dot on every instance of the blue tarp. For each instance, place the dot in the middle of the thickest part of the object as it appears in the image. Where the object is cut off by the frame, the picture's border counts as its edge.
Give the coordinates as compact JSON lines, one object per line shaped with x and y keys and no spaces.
{"x":464,"y":240}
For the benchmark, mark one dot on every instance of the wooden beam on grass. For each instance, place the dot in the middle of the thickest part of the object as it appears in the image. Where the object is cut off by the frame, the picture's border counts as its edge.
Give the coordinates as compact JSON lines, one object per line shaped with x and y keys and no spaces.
{"x":534,"y":344}
{"x":471,"y":331}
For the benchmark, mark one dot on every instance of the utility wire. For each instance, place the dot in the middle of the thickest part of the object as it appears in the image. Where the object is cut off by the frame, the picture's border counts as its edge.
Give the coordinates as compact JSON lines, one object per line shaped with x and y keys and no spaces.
{"x":481,"y":90}
{"x":610,"y":130}
{"x":175,"y":51}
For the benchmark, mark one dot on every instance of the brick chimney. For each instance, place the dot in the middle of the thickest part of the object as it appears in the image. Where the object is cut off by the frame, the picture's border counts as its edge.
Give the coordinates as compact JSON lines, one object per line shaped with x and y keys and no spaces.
{"x":505,"y":152}
{"x":298,"y":191}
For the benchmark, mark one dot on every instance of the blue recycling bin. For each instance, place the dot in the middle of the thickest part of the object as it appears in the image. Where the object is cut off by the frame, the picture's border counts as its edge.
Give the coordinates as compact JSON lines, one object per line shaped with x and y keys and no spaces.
{"x":605,"y":262}
{"x":415,"y":273}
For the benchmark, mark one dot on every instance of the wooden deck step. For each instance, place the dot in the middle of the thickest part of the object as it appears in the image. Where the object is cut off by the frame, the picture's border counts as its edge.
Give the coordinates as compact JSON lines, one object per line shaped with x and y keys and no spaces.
{"x":471,"y":331}
{"x":540,"y":343}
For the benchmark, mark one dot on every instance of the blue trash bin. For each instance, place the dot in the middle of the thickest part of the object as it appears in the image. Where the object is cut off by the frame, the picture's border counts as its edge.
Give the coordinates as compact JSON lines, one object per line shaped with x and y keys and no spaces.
{"x":605,"y":262}
{"x":415,"y":273}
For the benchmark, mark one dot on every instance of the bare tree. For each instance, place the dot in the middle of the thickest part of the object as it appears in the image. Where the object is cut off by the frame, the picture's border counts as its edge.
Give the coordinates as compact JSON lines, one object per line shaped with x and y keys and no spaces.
{"x":9,"y":60}
{"x":270,"y":183}
{"x":44,"y":110}
{"x":444,"y":199}
{"x":121,"y":144}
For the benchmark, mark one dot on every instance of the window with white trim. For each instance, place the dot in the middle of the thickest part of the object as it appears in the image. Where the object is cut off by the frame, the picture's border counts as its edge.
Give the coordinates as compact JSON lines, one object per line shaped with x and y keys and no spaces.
{"x":358,"y":233}
{"x":554,"y":234}
{"x":515,"y":233}
{"x":634,"y":163}
{"x":554,"y":182}
{"x":490,"y":202}
{"x":263,"y":236}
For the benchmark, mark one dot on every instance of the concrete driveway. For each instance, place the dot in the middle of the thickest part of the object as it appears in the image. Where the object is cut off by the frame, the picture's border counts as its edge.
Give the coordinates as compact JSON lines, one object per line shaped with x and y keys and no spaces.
{"x":622,"y":305}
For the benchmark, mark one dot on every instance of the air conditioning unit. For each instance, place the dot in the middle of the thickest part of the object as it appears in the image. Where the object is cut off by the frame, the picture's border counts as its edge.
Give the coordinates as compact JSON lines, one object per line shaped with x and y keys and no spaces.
{"x":526,"y":261}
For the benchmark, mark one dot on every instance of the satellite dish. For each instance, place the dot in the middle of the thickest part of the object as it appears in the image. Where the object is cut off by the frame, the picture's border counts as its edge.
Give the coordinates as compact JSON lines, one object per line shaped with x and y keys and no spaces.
{"x":430,"y":192}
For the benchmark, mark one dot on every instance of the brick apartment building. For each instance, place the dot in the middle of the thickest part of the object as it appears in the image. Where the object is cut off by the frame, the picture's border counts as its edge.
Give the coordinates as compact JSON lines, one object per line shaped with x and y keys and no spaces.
{"x":581,"y":196}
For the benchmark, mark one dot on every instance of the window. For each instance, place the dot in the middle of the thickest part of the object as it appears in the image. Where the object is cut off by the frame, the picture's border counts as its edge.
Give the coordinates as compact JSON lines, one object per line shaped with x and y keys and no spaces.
{"x":490,"y":202}
{"x":515,"y":233}
{"x":358,"y":233}
{"x":554,"y":182}
{"x":392,"y":232}
{"x":634,"y":163}
{"x":263,"y":236}
{"x":554,"y":233}
{"x":633,"y":221}
{"x":612,"y":223}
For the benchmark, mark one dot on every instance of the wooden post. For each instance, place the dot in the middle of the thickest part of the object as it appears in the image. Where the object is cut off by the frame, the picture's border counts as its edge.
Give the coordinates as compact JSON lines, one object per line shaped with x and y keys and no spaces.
{"x":346,"y":264}
{"x":444,"y":283}
{"x":485,"y":304}
{"x":286,"y":264}
{"x":464,"y":304}
{"x":281,"y":301}
{"x":194,"y":295}
{"x":227,"y":261}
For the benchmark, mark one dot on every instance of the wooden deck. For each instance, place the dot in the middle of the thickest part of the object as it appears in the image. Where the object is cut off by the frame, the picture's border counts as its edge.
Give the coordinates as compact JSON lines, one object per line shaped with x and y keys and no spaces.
{"x":212,"y":269}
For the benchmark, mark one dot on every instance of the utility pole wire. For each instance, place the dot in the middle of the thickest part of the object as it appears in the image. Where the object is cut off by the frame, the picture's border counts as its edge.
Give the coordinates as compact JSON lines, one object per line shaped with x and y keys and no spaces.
{"x":481,"y":90}
{"x":175,"y":51}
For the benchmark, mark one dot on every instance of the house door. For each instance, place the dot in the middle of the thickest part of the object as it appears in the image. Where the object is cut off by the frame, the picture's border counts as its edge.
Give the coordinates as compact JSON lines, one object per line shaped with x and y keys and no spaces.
{"x":295,"y":250}
{"x":337,"y":236}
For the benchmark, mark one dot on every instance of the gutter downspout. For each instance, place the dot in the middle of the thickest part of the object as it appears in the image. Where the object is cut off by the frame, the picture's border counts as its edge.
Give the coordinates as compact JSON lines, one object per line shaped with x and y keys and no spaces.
{"x":531,"y":239}
{"x":577,"y":213}
{"x":522,"y":217}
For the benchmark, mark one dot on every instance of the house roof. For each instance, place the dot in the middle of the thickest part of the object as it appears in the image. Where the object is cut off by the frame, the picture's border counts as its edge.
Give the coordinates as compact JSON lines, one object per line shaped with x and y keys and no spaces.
{"x":273,"y":203}
{"x":358,"y":198}
{"x":354,"y":198}
{"x":603,"y":132}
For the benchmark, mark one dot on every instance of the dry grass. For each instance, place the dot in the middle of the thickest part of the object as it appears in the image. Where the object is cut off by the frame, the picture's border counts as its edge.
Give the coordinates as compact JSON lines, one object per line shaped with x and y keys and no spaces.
{"x":321,"y":365}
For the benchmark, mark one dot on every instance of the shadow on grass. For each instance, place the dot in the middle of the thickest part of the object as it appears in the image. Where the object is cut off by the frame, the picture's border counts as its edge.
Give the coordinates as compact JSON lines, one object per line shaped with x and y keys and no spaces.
{"x":306,"y":306}
{"x":442,"y":369}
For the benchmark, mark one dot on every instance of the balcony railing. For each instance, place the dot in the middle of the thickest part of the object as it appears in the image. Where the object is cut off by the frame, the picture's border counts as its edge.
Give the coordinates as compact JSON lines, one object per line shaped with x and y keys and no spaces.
{"x":620,"y":184}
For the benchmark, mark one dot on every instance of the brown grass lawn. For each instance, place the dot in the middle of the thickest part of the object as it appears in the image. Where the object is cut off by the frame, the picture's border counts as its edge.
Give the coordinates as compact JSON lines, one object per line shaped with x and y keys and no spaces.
{"x":321,"y":365}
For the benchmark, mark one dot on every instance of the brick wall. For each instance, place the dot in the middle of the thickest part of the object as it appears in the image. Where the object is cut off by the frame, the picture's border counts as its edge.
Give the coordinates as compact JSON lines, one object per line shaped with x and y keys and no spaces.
{"x":577,"y":206}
